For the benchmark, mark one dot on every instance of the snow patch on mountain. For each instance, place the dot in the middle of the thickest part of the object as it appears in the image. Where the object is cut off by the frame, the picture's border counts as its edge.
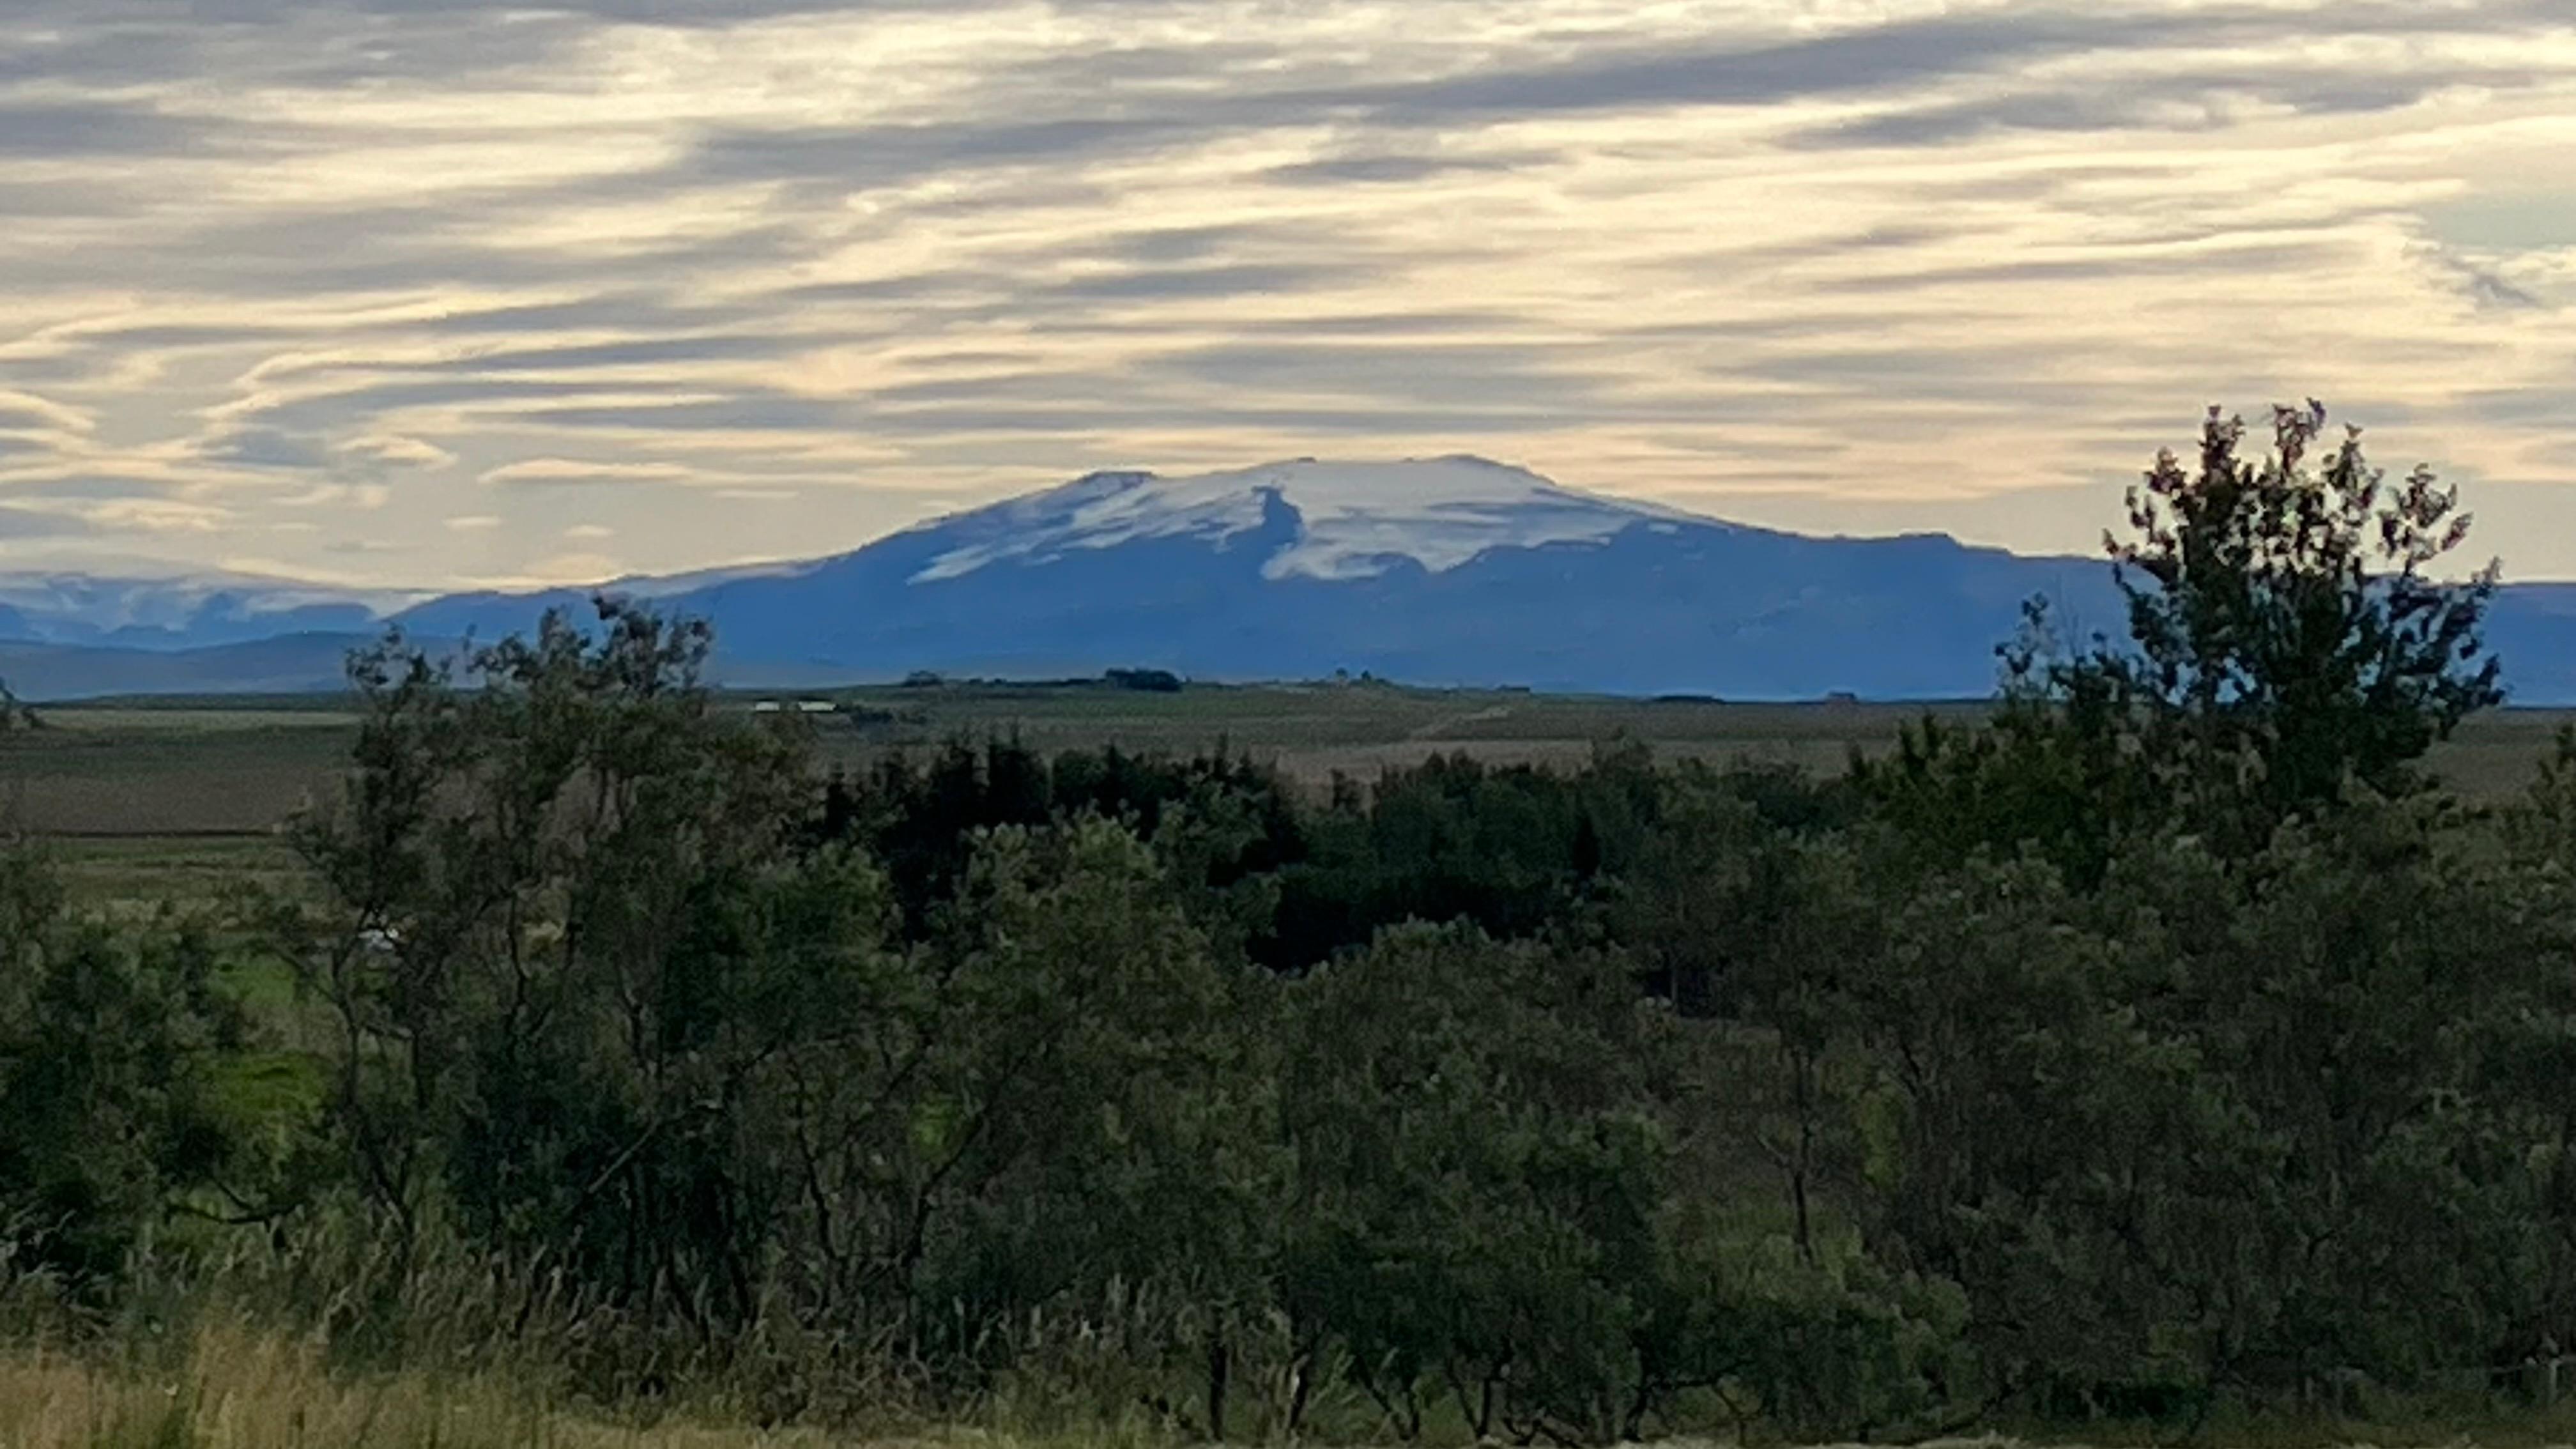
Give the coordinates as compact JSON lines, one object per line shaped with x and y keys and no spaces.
{"x":158,"y":605}
{"x":1355,"y":520}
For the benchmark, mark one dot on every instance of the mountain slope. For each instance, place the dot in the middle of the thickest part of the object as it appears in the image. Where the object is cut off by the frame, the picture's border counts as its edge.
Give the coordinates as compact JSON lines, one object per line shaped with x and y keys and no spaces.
{"x":287,"y":664}
{"x":163,"y":610}
{"x":1438,"y":571}
{"x":1354,"y":520}
{"x":1445,"y":571}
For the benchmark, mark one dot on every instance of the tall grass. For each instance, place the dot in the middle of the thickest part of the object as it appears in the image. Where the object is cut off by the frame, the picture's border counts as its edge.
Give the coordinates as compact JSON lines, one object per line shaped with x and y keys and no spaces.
{"x":343,"y":1336}
{"x":226,"y":1380}
{"x":212,"y":1373}
{"x":236,"y":1387}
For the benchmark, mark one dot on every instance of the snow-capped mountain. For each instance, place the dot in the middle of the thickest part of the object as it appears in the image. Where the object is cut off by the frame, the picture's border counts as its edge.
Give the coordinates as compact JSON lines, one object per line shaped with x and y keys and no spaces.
{"x":1435,"y":571}
{"x":1443,"y":570}
{"x":1355,"y":520}
{"x":161,"y":609}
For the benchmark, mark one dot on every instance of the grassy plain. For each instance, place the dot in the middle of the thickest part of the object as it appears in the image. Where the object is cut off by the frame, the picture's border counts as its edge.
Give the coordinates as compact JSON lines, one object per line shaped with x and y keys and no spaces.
{"x":233,"y":1386}
{"x":123,"y":769}
{"x":169,"y":799}
{"x":237,"y":1389}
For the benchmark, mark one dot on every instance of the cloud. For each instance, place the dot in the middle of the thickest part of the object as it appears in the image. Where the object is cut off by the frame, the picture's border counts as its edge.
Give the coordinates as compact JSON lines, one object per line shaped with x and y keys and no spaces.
{"x":98,"y":130}
{"x":578,"y":473}
{"x":31,"y":413}
{"x":2106,"y":266}
{"x":394,"y":451}
{"x":622,"y":311}
{"x":1902,"y":53}
{"x":1199,"y":283}
{"x":640,"y":352}
{"x":2550,"y":408}
{"x":633,"y":265}
{"x":863,"y":158}
{"x":369,"y":399}
{"x":2488,"y":289}
{"x":1434,"y":374}
{"x":91,"y":487}
{"x":1176,"y":245}
{"x":753,"y":412}
{"x":267,"y":448}
{"x":364,"y":496}
{"x":30,"y":523}
{"x":575,"y":567}
{"x":158,"y":516}
{"x":1392,"y":168}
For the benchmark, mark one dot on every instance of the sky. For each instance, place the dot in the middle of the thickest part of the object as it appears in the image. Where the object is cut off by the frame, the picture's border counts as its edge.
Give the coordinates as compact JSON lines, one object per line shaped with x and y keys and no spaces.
{"x":432,"y":293}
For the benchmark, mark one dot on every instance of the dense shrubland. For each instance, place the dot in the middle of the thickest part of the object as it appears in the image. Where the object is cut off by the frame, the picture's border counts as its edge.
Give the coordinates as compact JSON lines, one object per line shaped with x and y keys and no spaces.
{"x":2172,"y":1047}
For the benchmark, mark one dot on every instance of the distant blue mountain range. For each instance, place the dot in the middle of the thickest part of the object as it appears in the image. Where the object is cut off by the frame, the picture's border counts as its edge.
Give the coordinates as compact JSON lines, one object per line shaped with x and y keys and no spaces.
{"x":1439,"y":571}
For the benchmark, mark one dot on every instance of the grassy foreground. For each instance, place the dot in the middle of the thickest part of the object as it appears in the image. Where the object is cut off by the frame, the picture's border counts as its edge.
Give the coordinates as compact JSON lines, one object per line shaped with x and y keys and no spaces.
{"x":241,"y":1389}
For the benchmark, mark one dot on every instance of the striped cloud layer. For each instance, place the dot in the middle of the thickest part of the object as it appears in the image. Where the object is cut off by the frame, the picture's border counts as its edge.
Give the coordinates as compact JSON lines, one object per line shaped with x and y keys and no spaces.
{"x":420,"y":294}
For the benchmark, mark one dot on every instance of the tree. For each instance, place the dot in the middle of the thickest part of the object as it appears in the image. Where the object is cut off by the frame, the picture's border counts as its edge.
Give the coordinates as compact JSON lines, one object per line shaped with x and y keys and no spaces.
{"x":1480,"y":1170}
{"x":1092,"y":1129}
{"x":520,"y":937}
{"x":114,"y":1054}
{"x":2287,"y":635}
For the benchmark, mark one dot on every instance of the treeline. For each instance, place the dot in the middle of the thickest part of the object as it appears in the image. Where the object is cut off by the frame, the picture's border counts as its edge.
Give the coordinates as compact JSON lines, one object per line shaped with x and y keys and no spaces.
{"x":2172,"y":1046}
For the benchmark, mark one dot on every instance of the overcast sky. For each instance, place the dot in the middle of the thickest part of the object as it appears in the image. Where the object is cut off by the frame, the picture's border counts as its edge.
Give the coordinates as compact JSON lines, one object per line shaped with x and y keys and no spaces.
{"x":427,"y":292}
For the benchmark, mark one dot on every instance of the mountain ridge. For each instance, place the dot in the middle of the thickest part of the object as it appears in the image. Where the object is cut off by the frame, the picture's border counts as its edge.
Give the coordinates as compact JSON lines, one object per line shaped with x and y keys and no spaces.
{"x":1445,"y":570}
{"x":1452,"y":570}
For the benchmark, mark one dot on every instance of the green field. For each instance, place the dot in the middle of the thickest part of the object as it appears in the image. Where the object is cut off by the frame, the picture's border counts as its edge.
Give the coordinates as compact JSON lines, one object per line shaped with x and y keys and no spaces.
{"x":169,"y":798}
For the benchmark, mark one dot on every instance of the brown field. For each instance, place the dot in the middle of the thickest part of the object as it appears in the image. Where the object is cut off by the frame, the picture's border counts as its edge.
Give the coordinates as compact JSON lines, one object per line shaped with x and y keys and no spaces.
{"x":169,"y":799}
{"x":124,"y":770}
